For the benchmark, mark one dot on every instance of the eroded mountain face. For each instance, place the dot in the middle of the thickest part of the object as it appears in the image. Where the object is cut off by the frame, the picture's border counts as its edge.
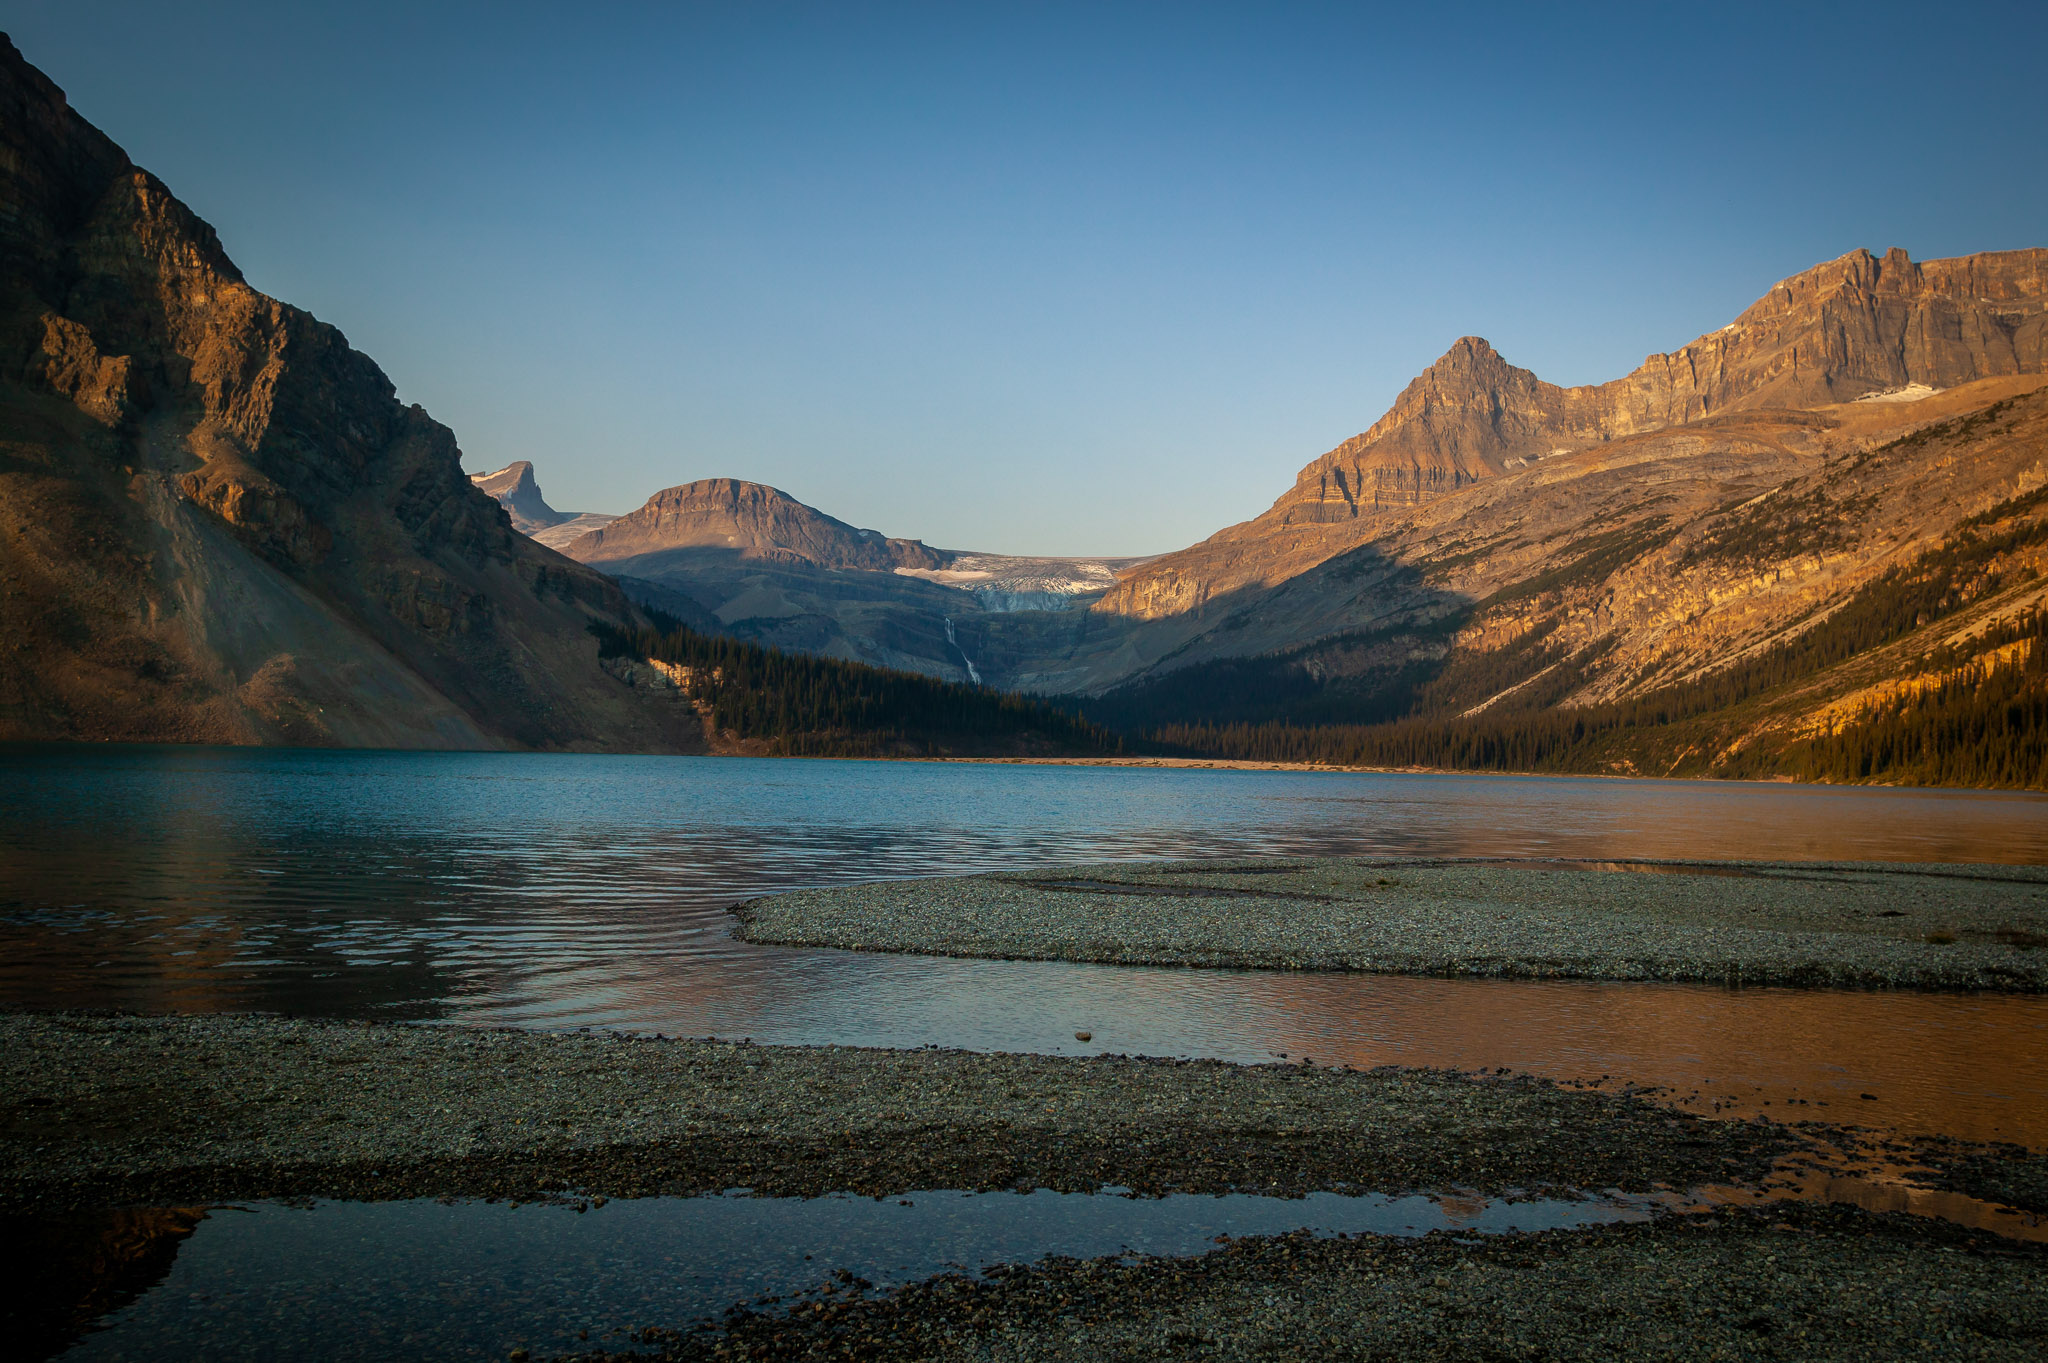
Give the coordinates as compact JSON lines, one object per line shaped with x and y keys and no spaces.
{"x":218,"y":524}
{"x":1841,"y":331}
{"x":1812,"y":564}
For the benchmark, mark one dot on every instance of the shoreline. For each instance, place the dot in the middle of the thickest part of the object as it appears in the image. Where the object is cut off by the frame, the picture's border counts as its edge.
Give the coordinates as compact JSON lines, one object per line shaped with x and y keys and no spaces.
{"x":104,"y":1111}
{"x":35,"y":746}
{"x":1857,"y":925}
{"x":175,"y":1110}
{"x":1800,"y":1281}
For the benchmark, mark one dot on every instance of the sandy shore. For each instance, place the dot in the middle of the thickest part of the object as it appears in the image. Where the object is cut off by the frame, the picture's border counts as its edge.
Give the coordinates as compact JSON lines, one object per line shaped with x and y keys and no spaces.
{"x":1855,"y":925}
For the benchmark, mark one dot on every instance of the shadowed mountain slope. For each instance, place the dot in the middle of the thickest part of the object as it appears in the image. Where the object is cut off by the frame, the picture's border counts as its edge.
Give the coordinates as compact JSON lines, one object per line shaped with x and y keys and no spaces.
{"x":1854,"y":592}
{"x":1853,"y":328}
{"x":219,"y":524}
{"x":760,"y":565}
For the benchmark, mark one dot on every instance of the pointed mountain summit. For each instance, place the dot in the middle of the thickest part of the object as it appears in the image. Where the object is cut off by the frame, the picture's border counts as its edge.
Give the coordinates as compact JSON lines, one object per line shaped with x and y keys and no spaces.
{"x":519,"y":494}
{"x":1856,"y":327}
{"x":515,"y":489}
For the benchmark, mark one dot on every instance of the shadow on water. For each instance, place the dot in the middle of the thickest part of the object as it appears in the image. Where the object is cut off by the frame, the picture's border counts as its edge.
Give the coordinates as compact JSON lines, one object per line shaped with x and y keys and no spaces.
{"x":341,"y":1280}
{"x":63,"y":1272}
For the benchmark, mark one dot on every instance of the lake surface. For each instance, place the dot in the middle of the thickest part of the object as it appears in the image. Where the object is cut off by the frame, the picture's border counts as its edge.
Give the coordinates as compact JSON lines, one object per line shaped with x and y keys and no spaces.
{"x":569,"y":891}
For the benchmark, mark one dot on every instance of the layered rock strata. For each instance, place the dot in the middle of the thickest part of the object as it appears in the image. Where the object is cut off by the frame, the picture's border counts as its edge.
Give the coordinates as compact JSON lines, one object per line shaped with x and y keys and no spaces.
{"x":1855,"y":327}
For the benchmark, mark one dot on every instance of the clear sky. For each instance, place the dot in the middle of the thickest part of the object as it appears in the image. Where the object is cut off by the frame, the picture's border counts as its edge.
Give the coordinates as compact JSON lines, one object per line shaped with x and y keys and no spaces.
{"x":1086,"y":278}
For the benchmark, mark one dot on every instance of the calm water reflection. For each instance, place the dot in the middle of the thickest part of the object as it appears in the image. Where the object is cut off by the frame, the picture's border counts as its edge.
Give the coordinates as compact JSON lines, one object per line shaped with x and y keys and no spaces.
{"x":473,"y":1280}
{"x":589,"y":891}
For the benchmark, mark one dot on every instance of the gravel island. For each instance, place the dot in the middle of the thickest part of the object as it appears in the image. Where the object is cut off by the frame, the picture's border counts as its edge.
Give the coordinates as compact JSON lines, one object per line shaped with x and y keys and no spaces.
{"x":100,"y":1111}
{"x":104,"y":1111}
{"x":1824,"y":924}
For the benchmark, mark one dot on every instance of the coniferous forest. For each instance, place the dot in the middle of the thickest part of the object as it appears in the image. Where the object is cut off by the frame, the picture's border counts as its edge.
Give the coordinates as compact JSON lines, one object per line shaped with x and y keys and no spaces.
{"x":1976,"y":716}
{"x":1971,"y":716}
{"x":796,"y":705}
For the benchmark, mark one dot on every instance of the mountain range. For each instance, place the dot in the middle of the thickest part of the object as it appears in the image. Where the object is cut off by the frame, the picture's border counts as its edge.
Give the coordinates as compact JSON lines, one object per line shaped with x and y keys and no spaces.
{"x":752,"y":562}
{"x":218,"y":524}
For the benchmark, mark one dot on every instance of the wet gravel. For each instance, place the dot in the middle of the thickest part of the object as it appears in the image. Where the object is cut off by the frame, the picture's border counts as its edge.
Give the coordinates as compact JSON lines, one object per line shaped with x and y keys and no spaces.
{"x":1825,"y":924}
{"x":2002,"y":1173}
{"x":1799,"y":1281}
{"x":106,"y":1110}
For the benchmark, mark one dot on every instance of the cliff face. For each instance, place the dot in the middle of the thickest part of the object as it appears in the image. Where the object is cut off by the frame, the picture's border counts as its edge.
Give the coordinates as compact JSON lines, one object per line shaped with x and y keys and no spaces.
{"x":1849,"y":329}
{"x":1794,"y":569}
{"x":218,"y":524}
{"x":746,"y":521}
{"x":519,"y":494}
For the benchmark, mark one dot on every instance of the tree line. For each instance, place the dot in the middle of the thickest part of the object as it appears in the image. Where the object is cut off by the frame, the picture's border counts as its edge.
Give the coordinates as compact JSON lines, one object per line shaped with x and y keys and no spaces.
{"x":1976,"y":726}
{"x":793,"y":704}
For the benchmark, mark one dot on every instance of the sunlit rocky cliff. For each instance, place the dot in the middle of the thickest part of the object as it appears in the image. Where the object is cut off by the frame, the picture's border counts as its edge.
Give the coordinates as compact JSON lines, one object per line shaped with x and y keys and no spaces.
{"x":1848,"y":329}
{"x":218,"y":523}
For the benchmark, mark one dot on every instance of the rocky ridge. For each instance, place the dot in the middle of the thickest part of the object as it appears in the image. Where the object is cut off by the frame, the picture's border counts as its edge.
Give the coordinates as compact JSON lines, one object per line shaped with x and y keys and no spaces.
{"x":759,"y":564}
{"x":1851,"y":328}
{"x":746,"y":521}
{"x":217,"y":521}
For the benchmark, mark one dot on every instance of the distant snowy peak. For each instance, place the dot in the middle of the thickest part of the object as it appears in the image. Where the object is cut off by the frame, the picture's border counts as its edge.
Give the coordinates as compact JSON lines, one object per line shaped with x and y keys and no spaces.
{"x":1015,"y":582}
{"x":514,"y":486}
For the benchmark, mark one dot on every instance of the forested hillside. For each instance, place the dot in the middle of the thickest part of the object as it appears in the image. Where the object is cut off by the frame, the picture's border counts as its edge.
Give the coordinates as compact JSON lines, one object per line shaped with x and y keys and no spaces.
{"x":1947,"y":705}
{"x":761,"y":700}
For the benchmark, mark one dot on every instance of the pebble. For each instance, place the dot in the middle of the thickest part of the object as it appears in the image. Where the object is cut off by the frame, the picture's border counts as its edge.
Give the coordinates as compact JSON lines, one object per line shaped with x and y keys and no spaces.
{"x":1815,"y":924}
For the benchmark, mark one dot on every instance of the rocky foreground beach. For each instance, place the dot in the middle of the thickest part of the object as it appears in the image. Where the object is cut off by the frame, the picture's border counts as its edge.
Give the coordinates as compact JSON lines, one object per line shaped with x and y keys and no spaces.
{"x":1831,"y":924}
{"x":179,"y":1110}
{"x":103,"y":1111}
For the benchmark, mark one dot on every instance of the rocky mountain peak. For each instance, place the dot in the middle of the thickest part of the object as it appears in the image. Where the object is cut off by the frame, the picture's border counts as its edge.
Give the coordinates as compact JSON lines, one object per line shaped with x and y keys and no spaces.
{"x":230,"y":528}
{"x":515,"y":479}
{"x":515,"y":488}
{"x":747,"y":520}
{"x":1845,"y":329}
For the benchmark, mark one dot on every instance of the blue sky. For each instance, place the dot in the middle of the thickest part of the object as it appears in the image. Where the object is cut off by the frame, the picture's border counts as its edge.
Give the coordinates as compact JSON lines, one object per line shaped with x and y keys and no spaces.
{"x":1035,"y":278}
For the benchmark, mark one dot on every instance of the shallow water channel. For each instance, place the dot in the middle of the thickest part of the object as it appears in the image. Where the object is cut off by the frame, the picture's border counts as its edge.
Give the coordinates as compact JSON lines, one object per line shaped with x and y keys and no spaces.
{"x":341,"y":1280}
{"x":558,"y":891}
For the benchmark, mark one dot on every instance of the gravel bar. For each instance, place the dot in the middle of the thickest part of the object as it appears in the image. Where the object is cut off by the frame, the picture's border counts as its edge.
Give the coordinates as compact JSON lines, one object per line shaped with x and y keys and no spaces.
{"x":112,"y":1110}
{"x":1820,"y":924}
{"x":1796,"y":1282}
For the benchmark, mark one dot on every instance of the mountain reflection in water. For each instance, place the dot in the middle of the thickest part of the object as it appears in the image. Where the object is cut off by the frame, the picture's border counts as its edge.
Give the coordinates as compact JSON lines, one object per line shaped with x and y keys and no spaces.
{"x":564,"y":891}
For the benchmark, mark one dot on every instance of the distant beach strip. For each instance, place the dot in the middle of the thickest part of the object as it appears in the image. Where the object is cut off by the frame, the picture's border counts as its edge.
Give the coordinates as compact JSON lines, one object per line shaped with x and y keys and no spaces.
{"x":1817,"y":924}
